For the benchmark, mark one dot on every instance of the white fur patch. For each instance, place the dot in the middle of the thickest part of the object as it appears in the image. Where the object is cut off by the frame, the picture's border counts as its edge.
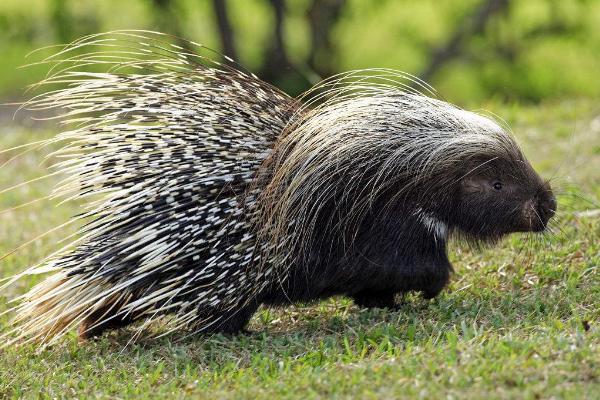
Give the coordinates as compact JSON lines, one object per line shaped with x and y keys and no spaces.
{"x":438,"y":228}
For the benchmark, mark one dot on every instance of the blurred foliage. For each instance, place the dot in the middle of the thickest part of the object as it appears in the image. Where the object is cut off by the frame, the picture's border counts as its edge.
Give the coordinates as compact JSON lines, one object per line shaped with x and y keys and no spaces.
{"x":528,"y":50}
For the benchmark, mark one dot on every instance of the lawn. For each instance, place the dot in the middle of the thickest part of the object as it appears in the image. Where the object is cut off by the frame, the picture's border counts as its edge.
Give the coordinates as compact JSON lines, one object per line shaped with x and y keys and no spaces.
{"x":519,"y":320}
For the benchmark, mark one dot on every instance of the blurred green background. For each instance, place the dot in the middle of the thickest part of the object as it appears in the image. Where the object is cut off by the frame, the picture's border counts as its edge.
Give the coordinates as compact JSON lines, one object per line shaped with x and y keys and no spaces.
{"x":473,"y":50}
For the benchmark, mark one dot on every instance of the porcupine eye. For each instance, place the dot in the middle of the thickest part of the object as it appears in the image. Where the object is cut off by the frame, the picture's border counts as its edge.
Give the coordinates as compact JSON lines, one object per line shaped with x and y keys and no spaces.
{"x":497,"y":185}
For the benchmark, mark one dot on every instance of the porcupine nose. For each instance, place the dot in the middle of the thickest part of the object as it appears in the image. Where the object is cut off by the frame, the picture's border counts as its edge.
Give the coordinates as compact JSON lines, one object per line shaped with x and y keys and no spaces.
{"x":546,"y":205}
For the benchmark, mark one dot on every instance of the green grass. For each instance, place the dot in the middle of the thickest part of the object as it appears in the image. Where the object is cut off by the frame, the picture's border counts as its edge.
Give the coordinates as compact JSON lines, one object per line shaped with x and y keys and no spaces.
{"x":521,"y":320}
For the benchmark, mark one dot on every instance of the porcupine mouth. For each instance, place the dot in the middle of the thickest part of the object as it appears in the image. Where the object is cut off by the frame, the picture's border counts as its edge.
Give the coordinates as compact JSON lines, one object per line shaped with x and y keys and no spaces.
{"x":536,"y":219}
{"x":535,"y":225}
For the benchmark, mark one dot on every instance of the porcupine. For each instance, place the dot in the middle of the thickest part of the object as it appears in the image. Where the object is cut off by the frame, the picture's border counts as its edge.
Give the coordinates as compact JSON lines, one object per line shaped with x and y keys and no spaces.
{"x":210,"y":192}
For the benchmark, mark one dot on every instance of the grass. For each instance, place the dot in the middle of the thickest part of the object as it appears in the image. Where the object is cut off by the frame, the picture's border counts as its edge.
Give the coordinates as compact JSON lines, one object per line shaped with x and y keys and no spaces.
{"x":521,"y":320}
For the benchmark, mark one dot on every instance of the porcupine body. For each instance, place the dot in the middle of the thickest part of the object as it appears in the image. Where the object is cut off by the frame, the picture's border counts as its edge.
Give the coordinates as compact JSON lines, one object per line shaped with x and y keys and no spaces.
{"x":209,"y":192}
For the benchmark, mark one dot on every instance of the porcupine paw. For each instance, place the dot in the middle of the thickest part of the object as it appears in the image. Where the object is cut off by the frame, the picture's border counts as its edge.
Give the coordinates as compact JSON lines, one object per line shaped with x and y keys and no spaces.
{"x":430,"y":294}
{"x":374,"y":299}
{"x":433,"y":290}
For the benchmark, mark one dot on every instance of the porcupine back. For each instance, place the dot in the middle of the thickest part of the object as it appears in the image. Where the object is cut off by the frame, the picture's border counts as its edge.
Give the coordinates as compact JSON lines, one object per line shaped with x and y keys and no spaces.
{"x":164,"y":158}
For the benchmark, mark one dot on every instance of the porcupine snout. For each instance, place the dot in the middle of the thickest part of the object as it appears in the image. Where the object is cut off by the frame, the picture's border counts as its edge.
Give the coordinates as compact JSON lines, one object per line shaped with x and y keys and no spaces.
{"x":543,"y":207}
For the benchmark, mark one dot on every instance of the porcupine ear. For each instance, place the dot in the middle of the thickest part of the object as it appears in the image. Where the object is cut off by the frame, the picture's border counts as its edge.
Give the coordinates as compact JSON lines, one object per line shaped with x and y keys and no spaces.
{"x":96,"y":83}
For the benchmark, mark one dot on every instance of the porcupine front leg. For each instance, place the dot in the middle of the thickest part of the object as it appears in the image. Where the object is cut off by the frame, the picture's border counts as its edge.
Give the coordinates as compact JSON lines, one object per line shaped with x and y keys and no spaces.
{"x":436,"y":281}
{"x":430,"y":282}
{"x":394,"y":268}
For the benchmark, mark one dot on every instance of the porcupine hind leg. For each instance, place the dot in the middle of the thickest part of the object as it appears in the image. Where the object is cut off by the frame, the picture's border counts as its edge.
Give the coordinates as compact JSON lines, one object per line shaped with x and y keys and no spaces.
{"x":236,"y":322}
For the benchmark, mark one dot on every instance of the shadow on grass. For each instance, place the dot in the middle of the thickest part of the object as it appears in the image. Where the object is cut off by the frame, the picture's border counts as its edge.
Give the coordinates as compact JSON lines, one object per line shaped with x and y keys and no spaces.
{"x":332,"y":330}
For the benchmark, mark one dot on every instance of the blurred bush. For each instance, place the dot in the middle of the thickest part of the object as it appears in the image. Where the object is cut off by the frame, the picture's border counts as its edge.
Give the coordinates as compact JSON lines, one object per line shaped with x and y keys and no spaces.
{"x":470,"y":50}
